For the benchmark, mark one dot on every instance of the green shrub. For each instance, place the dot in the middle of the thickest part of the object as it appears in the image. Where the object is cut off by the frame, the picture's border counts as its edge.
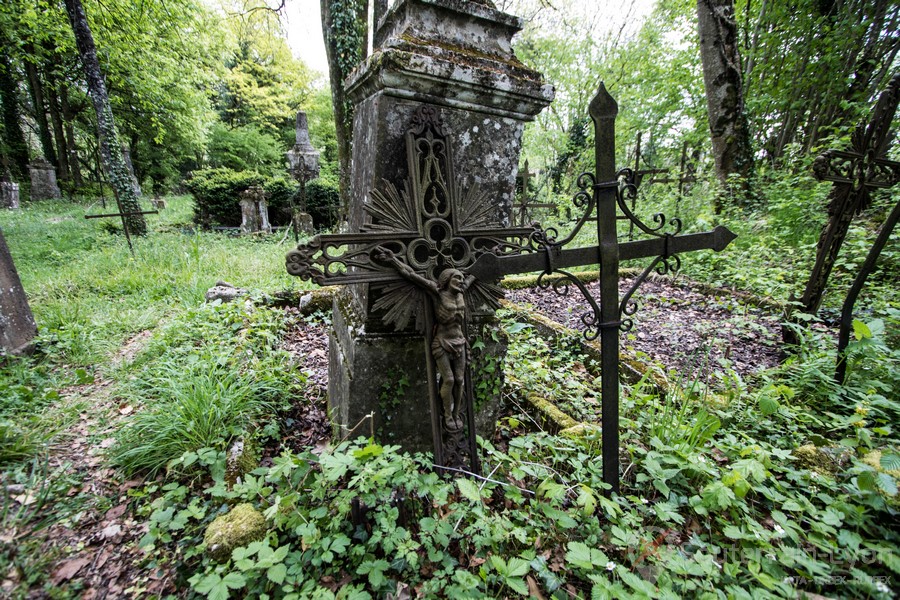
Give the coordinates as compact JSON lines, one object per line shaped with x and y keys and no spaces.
{"x":323,"y":199}
{"x":280,"y":193}
{"x":217,"y":195}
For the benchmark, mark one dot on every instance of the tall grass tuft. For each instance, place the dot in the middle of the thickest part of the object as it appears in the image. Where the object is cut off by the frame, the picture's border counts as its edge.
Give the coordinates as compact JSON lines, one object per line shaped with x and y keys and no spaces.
{"x":204,"y":404}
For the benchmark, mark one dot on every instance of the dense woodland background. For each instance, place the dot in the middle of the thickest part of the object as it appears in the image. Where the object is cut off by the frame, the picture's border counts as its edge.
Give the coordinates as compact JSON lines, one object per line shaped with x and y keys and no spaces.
{"x":115,"y":434}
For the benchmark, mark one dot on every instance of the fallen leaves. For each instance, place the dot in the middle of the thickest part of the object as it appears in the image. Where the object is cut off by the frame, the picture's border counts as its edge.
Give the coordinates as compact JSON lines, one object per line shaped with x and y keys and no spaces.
{"x":66,"y":570}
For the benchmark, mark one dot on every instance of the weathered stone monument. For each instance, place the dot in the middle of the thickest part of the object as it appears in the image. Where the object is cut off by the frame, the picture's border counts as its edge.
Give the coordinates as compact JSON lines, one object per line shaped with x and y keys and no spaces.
{"x":9,"y":192}
{"x":43,"y":180}
{"x":440,"y":108}
{"x":17,"y":327}
{"x":304,"y":167}
{"x":254,"y":211}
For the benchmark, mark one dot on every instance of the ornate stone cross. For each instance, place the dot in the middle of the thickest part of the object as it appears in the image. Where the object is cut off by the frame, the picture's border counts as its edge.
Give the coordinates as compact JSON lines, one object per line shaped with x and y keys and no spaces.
{"x":431,"y":240}
{"x":419,"y":243}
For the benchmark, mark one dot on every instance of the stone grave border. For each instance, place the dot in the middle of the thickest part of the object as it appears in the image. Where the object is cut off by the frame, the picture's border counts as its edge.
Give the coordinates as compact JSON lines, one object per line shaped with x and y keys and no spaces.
{"x":545,"y":412}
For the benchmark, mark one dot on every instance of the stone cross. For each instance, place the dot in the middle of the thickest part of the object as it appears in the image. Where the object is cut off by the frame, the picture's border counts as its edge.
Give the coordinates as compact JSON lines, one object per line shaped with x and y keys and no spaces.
{"x":456,"y":59}
{"x":856,"y":173}
{"x":304,"y":166}
{"x":418,"y":240}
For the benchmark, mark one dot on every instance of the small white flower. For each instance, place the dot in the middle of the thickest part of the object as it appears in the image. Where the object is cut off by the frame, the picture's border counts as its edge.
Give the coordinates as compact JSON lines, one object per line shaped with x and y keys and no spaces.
{"x":610,"y":566}
{"x":788,"y":580}
{"x":770,"y":556}
{"x":882,"y":587}
{"x":701,"y":458}
{"x":779,"y":530}
{"x":644,"y":501}
{"x":813,"y":474}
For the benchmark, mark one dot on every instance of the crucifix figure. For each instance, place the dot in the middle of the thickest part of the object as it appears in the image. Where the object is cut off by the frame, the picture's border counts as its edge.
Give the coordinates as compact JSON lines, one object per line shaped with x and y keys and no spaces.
{"x":449,"y":345}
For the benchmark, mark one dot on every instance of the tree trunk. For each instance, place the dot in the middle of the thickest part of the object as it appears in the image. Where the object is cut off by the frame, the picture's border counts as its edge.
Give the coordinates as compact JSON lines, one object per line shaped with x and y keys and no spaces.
{"x":71,"y":148}
{"x":40,"y":111}
{"x":110,"y":149}
{"x":345,"y":30}
{"x":58,"y":135}
{"x":728,"y":127}
{"x":13,"y":139}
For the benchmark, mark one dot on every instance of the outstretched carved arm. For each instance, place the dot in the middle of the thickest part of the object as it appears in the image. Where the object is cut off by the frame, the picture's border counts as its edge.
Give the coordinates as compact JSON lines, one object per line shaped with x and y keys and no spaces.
{"x":385,"y":255}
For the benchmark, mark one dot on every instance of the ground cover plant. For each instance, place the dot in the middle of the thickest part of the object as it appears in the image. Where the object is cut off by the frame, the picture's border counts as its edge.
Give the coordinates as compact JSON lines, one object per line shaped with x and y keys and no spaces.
{"x":787,"y":485}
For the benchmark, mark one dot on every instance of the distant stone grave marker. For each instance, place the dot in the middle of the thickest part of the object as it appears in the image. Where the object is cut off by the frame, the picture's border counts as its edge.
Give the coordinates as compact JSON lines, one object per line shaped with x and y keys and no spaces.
{"x":43,"y":180}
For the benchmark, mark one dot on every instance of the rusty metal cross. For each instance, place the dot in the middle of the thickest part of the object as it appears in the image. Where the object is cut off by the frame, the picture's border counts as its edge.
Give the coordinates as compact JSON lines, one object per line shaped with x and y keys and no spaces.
{"x":856,"y":173}
{"x":602,"y":193}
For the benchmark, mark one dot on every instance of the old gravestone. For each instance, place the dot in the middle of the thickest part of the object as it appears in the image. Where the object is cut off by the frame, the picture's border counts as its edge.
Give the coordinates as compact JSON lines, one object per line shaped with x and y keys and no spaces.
{"x":456,"y":58}
{"x":304,"y":167}
{"x":254,"y":211}
{"x":9,"y":193}
{"x":17,"y":327}
{"x":43,"y":180}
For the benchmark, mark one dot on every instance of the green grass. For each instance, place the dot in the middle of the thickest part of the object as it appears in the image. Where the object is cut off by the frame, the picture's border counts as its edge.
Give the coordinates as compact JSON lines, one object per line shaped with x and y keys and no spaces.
{"x":89,"y":294}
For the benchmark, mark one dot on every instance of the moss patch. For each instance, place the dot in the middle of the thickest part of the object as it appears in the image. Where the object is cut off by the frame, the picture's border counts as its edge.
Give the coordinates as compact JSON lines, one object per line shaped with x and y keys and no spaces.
{"x":239,"y":527}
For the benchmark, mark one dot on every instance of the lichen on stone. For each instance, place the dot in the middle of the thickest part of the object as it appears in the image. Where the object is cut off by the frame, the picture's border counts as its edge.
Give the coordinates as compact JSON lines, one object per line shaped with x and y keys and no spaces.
{"x":239,"y":527}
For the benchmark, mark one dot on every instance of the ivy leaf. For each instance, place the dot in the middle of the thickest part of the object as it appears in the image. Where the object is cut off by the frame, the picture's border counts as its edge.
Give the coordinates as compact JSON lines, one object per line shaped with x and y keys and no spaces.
{"x":861,"y":330}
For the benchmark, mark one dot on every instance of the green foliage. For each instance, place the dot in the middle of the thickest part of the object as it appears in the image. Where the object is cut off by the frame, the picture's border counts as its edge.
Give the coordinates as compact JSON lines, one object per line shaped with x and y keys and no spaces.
{"x":217,"y":194}
{"x":244,"y":148}
{"x":322,"y":201}
{"x":216,"y":375}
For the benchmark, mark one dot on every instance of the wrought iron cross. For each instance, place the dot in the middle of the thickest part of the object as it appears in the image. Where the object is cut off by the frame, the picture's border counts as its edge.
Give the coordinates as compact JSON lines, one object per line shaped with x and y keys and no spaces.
{"x":856,"y":173}
{"x":416,"y":234}
{"x":605,"y":191}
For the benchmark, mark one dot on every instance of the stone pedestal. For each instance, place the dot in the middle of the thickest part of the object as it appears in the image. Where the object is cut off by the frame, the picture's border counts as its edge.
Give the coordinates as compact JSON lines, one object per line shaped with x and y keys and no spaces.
{"x":17,"y":327}
{"x":9,"y":195}
{"x":254,"y":211}
{"x":455,"y":57}
{"x":43,"y":180}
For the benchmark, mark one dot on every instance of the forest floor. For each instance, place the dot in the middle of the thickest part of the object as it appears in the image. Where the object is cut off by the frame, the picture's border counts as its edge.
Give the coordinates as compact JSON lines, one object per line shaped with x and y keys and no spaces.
{"x":96,"y":548}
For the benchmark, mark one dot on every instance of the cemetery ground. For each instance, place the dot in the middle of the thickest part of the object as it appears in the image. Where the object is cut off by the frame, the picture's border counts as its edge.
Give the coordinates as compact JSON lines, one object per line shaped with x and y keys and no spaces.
{"x":743,"y":476}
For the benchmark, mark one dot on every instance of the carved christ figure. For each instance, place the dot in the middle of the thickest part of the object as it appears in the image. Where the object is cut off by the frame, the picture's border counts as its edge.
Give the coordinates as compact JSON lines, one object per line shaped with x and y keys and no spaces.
{"x":449,"y":345}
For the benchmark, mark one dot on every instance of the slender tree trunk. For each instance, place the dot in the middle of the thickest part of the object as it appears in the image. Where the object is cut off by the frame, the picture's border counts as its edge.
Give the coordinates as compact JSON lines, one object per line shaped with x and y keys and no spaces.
{"x":13,"y":139}
{"x":71,"y":147}
{"x":344,"y":20}
{"x":110,"y":149}
{"x":728,"y":126}
{"x":40,"y":110}
{"x":58,"y":135}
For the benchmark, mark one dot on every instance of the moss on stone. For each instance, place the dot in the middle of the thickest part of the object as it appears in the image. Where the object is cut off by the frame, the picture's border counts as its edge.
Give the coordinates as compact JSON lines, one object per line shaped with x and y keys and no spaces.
{"x":550,"y":415}
{"x":239,"y":527}
{"x":580,"y":430}
{"x":826,"y":460}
